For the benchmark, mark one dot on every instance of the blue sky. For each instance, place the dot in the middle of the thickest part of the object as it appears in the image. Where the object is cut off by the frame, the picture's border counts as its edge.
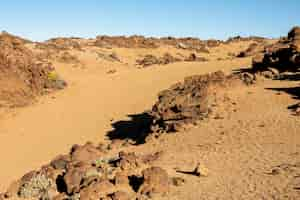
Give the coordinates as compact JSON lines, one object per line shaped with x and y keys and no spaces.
{"x":43,"y":19}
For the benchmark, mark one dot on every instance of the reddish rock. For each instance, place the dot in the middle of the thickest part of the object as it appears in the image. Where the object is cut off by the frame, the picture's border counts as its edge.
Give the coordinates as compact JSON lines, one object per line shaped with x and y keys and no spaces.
{"x":155,"y":181}
{"x":87,"y":153}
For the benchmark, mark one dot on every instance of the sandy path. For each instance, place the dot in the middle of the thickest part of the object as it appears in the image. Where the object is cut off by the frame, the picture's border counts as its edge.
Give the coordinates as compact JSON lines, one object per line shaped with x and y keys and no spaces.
{"x":83,"y":111}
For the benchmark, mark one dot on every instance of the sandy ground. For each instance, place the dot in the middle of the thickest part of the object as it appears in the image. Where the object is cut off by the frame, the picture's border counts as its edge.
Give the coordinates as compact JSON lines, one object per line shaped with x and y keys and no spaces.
{"x":240,"y":150}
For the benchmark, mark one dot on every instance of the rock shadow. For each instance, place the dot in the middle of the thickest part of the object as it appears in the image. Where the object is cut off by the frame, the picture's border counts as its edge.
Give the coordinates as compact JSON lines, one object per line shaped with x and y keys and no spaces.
{"x":293,"y":91}
{"x":136,"y":129}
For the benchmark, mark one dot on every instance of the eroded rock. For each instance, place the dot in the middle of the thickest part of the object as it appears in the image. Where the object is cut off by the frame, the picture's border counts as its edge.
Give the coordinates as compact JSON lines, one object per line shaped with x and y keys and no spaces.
{"x":155,"y":181}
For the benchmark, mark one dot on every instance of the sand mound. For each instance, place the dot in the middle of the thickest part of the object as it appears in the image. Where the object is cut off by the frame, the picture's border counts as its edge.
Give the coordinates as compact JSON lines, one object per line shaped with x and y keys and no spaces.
{"x":22,"y":76}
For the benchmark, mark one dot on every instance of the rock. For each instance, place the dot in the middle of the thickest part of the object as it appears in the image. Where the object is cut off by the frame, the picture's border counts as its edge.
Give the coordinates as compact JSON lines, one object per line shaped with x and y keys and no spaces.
{"x":120,"y":195}
{"x":37,"y":187}
{"x":150,"y":158}
{"x":194,"y":58}
{"x":149,"y":60}
{"x":294,"y":32}
{"x":280,"y":56}
{"x":155,"y":181}
{"x":180,"y":45}
{"x":87,"y":153}
{"x":60,"y":162}
{"x":258,"y":59}
{"x":177,"y":181}
{"x":274,"y":71}
{"x":97,"y":190}
{"x":267,"y":74}
{"x":73,"y":179}
{"x":128,"y":161}
{"x":22,"y":70}
{"x":201,"y":170}
{"x":253,"y":50}
{"x":189,"y":101}
{"x":61,"y":196}
{"x":79,"y":174}
{"x":114,"y":57}
{"x":248,"y":78}
{"x":121,"y":179}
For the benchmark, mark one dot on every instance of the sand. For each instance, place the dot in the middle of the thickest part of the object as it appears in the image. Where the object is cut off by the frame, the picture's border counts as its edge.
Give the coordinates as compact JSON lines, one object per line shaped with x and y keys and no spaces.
{"x":240,"y":149}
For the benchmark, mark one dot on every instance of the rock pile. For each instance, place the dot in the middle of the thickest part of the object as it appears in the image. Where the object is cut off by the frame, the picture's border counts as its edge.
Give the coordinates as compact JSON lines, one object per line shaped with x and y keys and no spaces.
{"x":92,"y":172}
{"x":125,"y":42}
{"x":149,"y":60}
{"x":167,"y":58}
{"x":280,"y":57}
{"x":64,"y":43}
{"x":252,"y":50}
{"x":189,"y":43}
{"x":194,"y":58}
{"x":22,"y":75}
{"x":189,"y":101}
{"x":240,"y":38}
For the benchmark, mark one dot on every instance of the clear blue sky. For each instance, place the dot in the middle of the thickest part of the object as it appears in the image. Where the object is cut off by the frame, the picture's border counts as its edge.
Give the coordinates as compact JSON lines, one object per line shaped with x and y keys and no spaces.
{"x":42,"y":19}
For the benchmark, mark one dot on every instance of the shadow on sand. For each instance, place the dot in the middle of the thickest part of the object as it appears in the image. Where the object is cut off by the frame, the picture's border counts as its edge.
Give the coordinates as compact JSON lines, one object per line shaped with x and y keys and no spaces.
{"x":135,"y":129}
{"x":293,"y":91}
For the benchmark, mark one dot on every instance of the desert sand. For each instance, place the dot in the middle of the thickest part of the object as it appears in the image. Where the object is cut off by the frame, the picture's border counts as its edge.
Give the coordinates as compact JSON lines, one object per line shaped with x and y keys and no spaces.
{"x":251,"y":149}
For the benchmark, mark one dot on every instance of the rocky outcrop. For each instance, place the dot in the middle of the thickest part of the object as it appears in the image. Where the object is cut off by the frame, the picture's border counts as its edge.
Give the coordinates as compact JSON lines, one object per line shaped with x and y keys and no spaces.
{"x":191,"y":100}
{"x":149,"y":60}
{"x":282,"y":56}
{"x":93,"y":172}
{"x":22,"y":74}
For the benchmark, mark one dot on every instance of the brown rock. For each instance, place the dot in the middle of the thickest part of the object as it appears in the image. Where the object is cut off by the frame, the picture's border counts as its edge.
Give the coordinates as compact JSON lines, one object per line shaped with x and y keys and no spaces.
{"x":155,"y":181}
{"x":128,"y":161}
{"x":61,"y":196}
{"x":60,"y":162}
{"x":120,"y":195}
{"x":189,"y":101}
{"x":194,"y":58}
{"x":87,"y":153}
{"x":74,"y":177}
{"x":121,"y":179}
{"x":22,"y":75}
{"x":97,"y":190}
{"x":177,"y":181}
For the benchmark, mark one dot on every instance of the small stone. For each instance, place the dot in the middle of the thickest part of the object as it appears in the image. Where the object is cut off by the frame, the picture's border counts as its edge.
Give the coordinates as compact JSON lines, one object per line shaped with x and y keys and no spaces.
{"x":120,"y":195}
{"x":201,"y":170}
{"x":177,"y":181}
{"x":274,"y":71}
